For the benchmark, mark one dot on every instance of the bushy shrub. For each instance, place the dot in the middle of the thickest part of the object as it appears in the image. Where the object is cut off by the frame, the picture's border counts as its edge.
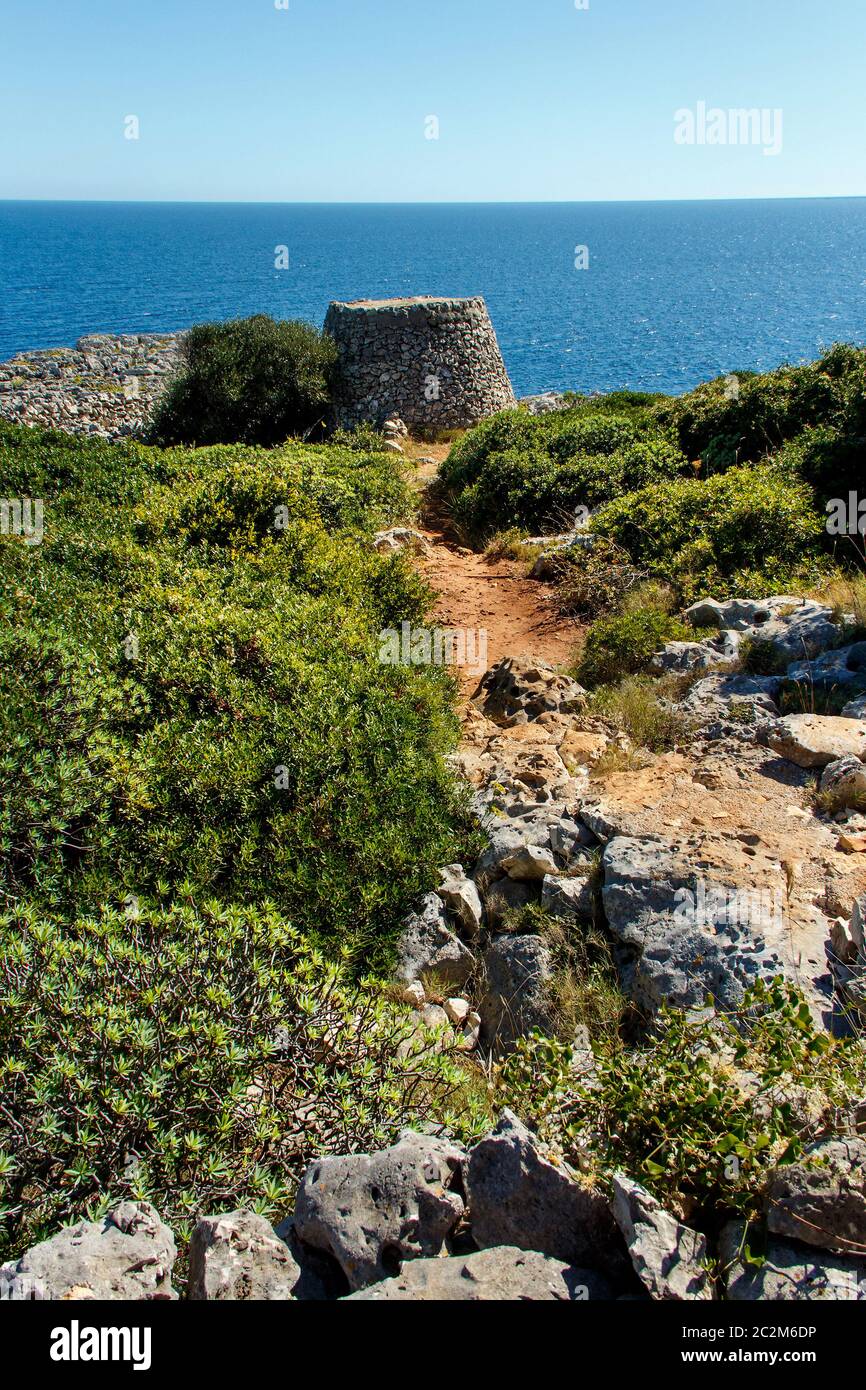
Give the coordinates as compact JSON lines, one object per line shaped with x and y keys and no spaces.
{"x":180,"y":700}
{"x":623,"y":645}
{"x":196,"y":1058}
{"x":249,"y":381}
{"x":593,"y":580}
{"x":742,"y":519}
{"x":534,"y":472}
{"x":703,"y":1109}
{"x":726,"y":424}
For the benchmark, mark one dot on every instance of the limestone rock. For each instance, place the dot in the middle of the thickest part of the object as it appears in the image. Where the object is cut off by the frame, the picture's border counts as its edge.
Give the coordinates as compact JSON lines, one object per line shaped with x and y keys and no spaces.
{"x":569,"y":899}
{"x":428,"y":946}
{"x":128,"y":1255}
{"x":846,"y":779}
{"x":814,"y":740}
{"x":788,"y":1273}
{"x":371,"y":1211}
{"x":744,"y":698}
{"x":399,"y":537}
{"x":500,"y":1275}
{"x":238,"y":1256}
{"x":843,"y":667}
{"x":669,"y":1259}
{"x":434,"y":1017}
{"x":516,"y":690}
{"x":798,"y":628}
{"x":461,"y":896}
{"x":855,"y":709}
{"x":697,"y":656}
{"x":685,"y":941}
{"x":821,"y":1200}
{"x":517,"y":974}
{"x":529,"y":863}
{"x":457,"y":1011}
{"x":517,"y":1197}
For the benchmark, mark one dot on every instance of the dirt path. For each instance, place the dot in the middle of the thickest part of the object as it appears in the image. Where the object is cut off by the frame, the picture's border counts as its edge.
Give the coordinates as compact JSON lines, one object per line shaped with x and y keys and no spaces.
{"x":479,"y":594}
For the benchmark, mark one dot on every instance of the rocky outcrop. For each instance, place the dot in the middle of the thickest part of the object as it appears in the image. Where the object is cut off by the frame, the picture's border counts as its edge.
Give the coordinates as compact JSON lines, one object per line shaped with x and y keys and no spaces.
{"x":515,"y":691}
{"x":372,"y":1211}
{"x":795,"y":627}
{"x":518,"y":1197}
{"x":502,"y":1275}
{"x":238,"y":1257}
{"x":687,"y":935}
{"x":129,"y":1254}
{"x":105,"y":386}
{"x":671,"y":1261}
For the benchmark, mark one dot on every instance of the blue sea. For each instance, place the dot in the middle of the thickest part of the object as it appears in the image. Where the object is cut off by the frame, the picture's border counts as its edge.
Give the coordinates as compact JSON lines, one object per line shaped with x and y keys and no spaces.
{"x":674,"y":293}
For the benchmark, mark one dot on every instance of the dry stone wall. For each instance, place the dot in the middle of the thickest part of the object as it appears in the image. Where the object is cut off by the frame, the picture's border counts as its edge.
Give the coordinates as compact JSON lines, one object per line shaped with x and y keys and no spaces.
{"x":433,"y":363}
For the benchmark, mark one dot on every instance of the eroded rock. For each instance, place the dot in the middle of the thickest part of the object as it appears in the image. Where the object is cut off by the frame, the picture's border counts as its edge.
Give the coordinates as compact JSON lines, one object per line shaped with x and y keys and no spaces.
{"x":372,"y":1211}
{"x":517,"y":1197}
{"x":500,"y":1275}
{"x":128,"y":1255}
{"x":670,"y":1259}
{"x":237,"y":1257}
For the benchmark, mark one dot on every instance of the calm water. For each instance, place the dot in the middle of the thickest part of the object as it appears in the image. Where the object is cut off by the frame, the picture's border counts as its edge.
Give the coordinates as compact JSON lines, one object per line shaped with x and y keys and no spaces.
{"x":674,"y":293}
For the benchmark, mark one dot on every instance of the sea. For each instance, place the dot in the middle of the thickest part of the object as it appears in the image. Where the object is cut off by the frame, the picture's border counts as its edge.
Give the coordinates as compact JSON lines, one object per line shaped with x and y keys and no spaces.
{"x":653,"y":296}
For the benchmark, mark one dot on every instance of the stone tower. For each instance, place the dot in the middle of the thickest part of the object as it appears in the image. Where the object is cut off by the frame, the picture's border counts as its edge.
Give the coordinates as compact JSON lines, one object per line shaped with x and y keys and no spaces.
{"x":434,"y":363}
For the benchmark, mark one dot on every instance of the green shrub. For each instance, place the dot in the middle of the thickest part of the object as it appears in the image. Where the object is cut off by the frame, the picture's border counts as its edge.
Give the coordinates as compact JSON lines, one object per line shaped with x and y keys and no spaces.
{"x":624,"y":644}
{"x":633,"y":707}
{"x":702,"y":1110}
{"x":726,"y":425}
{"x":517,"y":470}
{"x":181,"y":699}
{"x":744,"y":519}
{"x":196,"y":1058}
{"x":249,"y":381}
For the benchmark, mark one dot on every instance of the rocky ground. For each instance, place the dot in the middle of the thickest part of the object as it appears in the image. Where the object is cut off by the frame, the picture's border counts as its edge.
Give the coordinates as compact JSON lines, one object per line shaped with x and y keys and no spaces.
{"x":106,"y":385}
{"x":428,"y":1220}
{"x":710,"y":866}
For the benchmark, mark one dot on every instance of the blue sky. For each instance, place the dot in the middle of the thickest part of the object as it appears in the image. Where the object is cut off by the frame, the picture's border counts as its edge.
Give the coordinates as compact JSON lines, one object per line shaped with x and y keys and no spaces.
{"x":327,"y":100}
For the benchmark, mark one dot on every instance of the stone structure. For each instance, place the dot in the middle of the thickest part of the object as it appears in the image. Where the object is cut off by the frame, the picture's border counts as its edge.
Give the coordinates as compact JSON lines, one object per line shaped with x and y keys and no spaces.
{"x":433,"y":363}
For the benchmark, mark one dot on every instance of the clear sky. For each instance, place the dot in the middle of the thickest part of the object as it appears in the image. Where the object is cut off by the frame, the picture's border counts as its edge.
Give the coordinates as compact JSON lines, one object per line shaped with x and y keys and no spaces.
{"x":327,"y":100}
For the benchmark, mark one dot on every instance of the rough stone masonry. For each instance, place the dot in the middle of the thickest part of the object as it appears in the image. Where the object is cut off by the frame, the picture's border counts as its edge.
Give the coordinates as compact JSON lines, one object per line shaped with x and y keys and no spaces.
{"x":433,"y":363}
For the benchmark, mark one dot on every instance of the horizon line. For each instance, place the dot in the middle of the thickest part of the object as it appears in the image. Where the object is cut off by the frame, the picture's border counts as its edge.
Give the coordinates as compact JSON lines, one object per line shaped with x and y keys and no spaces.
{"x":440,"y":202}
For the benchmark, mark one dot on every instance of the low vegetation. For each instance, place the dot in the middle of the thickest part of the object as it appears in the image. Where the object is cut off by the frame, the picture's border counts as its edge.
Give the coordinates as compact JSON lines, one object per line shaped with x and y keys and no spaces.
{"x":701,"y":1110}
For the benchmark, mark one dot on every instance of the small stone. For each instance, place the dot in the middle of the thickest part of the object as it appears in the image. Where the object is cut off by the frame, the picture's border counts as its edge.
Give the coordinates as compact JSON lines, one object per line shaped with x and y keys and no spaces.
{"x":414,"y":994}
{"x":457,"y":1010}
{"x":434,"y":1016}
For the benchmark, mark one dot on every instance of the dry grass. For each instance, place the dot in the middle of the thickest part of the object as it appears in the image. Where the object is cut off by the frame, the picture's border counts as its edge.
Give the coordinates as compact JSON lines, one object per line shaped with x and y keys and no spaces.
{"x":845,"y":594}
{"x":633,"y":707}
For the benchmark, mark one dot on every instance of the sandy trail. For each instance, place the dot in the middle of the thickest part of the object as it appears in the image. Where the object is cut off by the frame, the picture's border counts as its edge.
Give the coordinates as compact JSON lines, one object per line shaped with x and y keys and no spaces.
{"x":480,"y":594}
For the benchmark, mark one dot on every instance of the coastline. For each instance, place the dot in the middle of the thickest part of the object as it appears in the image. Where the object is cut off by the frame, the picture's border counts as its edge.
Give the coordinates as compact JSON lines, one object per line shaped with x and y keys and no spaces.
{"x":105,"y":386}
